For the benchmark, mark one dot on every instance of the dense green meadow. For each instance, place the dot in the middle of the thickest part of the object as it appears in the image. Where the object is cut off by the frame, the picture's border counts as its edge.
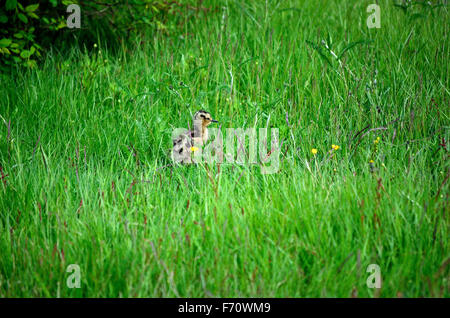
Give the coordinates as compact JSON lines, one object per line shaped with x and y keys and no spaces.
{"x":86,"y":177}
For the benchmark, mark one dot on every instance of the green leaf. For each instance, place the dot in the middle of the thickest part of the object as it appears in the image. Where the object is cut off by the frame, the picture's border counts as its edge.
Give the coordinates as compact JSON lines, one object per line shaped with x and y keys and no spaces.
{"x":25,"y":54}
{"x":18,"y":35}
{"x":62,"y":24}
{"x":22,"y":18}
{"x":32,"y":7}
{"x":33,"y":15}
{"x":3,"y":19}
{"x":11,"y":4}
{"x":5,"y":42}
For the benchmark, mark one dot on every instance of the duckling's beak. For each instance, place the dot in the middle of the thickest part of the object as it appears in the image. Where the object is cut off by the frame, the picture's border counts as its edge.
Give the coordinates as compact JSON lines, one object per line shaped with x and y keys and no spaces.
{"x":214,"y":121}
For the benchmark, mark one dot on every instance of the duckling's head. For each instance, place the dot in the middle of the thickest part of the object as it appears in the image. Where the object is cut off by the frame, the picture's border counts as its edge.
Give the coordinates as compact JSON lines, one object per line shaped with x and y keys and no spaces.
{"x":204,"y":117}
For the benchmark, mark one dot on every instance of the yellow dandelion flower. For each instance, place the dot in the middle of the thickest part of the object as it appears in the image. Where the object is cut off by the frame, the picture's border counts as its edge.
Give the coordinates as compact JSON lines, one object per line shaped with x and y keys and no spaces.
{"x":194,"y":149}
{"x":371,"y":161}
{"x":335,"y":147}
{"x":314,"y":151}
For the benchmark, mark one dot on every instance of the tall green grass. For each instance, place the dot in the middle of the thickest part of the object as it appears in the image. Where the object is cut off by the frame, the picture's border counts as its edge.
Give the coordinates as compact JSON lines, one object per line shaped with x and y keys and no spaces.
{"x":84,"y":143}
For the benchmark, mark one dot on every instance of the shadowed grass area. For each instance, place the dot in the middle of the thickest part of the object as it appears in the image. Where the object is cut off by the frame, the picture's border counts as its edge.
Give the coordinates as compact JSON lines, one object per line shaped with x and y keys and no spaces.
{"x":84,"y":143}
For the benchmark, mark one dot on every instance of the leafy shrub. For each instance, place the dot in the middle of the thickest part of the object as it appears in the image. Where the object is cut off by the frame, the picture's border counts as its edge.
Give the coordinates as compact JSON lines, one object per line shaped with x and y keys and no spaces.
{"x":27,"y":28}
{"x":20,"y":24}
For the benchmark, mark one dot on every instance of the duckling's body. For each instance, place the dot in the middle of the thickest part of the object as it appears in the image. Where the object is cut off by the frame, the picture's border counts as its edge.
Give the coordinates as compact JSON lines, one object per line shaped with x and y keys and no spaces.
{"x":184,"y":143}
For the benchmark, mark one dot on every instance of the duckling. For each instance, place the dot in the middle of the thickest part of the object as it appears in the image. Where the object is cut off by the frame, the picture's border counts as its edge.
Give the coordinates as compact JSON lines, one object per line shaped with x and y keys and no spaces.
{"x":185,"y":143}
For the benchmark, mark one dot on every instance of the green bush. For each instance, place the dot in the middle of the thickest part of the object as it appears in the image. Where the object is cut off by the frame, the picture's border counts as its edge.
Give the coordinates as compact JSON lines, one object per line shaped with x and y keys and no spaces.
{"x":28,"y":28}
{"x":20,"y":25}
